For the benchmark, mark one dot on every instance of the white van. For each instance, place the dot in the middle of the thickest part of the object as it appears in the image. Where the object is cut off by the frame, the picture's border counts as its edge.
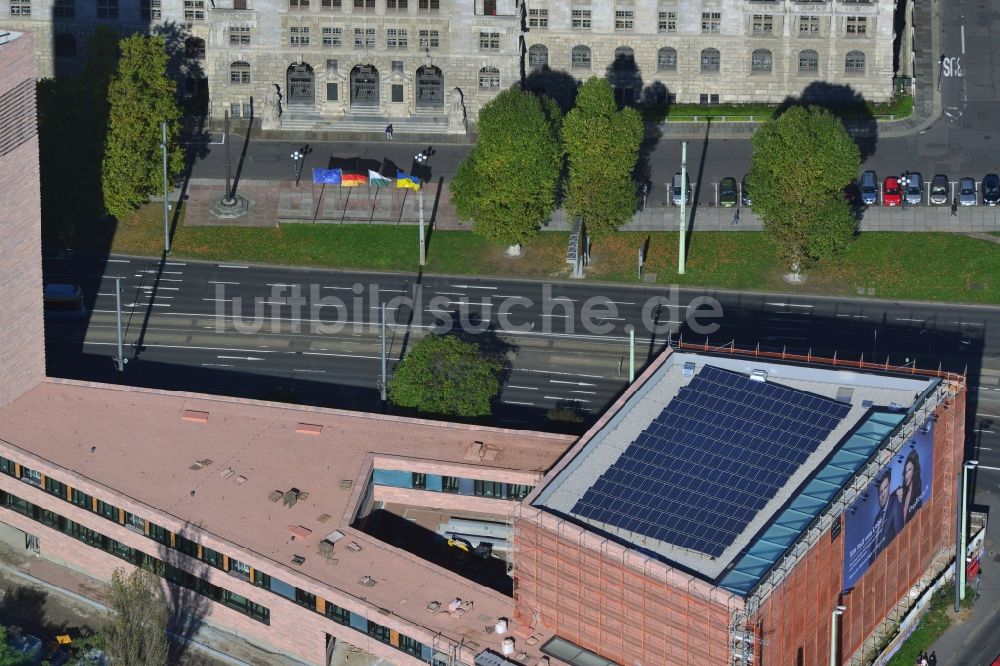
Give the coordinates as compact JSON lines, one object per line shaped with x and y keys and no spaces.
{"x":676,"y":189}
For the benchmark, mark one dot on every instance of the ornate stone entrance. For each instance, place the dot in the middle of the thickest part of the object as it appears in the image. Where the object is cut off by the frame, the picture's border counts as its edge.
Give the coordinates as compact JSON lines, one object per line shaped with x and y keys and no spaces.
{"x":364,"y":87}
{"x":430,"y":88}
{"x":301,"y":85}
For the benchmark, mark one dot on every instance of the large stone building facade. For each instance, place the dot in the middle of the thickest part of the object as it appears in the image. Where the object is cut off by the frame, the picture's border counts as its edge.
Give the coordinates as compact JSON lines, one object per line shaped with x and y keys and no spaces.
{"x":432,"y":64}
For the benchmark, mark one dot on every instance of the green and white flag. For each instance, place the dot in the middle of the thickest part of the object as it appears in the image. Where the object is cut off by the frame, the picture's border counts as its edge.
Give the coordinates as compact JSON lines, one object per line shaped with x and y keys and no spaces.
{"x":378,"y":180}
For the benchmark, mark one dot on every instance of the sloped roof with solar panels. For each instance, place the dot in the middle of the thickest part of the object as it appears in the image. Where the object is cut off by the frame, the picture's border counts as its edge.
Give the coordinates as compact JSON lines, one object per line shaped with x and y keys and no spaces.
{"x":718,"y":464}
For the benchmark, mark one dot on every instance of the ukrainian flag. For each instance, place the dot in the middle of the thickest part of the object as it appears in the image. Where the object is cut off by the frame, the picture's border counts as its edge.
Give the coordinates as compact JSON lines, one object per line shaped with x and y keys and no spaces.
{"x":405,"y":180}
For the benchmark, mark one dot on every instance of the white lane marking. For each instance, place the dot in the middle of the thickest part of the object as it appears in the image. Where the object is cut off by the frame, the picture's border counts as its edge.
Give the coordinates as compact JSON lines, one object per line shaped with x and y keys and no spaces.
{"x":967,"y":323}
{"x":394,"y":291}
{"x":562,"y":381}
{"x":174,"y":263}
{"x":471,"y":286}
{"x":854,"y":316}
{"x":231,"y":266}
{"x":988,"y":432}
{"x":374,"y":307}
{"x":322,"y":372}
{"x":611,"y":318}
{"x":554,"y":315}
{"x":470,"y":304}
{"x":438,"y":310}
{"x":526,"y":388}
{"x":277,"y":284}
{"x":221,"y":282}
{"x":240,"y":358}
{"x":921,"y":321}
{"x":559,"y":397}
{"x":620,"y":302}
{"x":139,"y":305}
{"x":789,"y":305}
{"x":119,"y":261}
{"x":995,"y":416}
{"x":217,"y":365}
{"x":962,"y":29}
{"x":994,"y":469}
{"x":150,"y":288}
{"x":565,"y":374}
{"x":223,"y":300}
{"x":154,"y":272}
{"x":345,"y":355}
{"x":449,"y":293}
{"x":340,"y":288}
{"x":585,"y":392}
{"x":515,"y":402}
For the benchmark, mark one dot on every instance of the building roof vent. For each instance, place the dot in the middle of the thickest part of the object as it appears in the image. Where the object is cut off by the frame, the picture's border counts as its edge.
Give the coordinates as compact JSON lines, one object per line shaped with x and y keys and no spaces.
{"x":844,"y":394}
{"x":309,"y":429}
{"x":194,"y":416}
{"x":689,"y":369}
{"x":758,"y":376}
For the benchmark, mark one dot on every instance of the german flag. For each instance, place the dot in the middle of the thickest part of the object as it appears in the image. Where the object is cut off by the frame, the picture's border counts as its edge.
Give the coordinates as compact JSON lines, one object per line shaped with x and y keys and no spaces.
{"x":353,"y":180}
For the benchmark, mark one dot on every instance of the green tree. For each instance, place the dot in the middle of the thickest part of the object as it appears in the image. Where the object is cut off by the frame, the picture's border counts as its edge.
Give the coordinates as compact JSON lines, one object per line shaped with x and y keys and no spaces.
{"x":602,"y":144}
{"x":135,"y":628}
{"x":507,"y":184}
{"x":8,"y":656}
{"x":802,"y":160}
{"x":141,"y":96}
{"x":443,"y":374}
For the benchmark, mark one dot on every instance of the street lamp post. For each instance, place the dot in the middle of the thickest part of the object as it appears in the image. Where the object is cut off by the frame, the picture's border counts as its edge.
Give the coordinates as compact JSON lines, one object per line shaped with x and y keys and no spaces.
{"x":166,"y":205}
{"x":421,"y":160}
{"x":297,"y":157}
{"x":904,"y":182}
{"x":837,"y":612}
{"x":681,"y":248}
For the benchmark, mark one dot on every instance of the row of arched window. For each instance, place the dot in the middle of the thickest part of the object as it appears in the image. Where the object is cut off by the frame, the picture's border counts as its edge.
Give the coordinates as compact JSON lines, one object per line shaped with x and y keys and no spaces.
{"x":761,"y":60}
{"x":239,"y":73}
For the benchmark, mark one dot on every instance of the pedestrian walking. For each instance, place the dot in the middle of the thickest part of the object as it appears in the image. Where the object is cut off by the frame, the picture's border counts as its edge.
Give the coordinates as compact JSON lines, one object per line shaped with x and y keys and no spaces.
{"x":388,"y":132}
{"x":954,"y":206}
{"x":932,"y":660}
{"x":736,"y":218}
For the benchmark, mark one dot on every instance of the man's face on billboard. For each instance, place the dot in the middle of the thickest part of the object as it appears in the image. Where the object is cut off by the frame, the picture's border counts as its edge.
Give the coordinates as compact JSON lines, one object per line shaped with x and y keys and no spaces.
{"x":883,"y":492}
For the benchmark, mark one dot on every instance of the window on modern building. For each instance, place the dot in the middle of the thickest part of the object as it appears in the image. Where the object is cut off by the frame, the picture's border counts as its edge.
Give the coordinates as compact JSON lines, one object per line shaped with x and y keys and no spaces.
{"x":194,"y":48}
{"x":624,"y":20}
{"x":82,"y":499}
{"x":410,"y":646}
{"x":419,"y":481}
{"x":449,"y":484}
{"x":396,"y":5}
{"x":710,"y":60}
{"x":52,"y":486}
{"x":333,"y":36}
{"x":182,"y":543}
{"x":808,"y":62}
{"x":666,"y":59}
{"x":762,"y":24}
{"x":364,"y":38}
{"x":489,"y":41}
{"x":667,"y":22}
{"x":32,"y":476}
{"x":331,"y":4}
{"x":107,"y":510}
{"x":298,"y":36}
{"x":378,"y":632}
{"x":305,"y":599}
{"x":538,"y":19}
{"x":158,"y":534}
{"x":150,"y":10}
{"x":711,"y":21}
{"x":518,"y":491}
{"x":429,"y":5}
{"x":538,"y":56}
{"x":856,"y":26}
{"x":107,"y":9}
{"x":581,"y":57}
{"x":338,"y":614}
{"x":261,"y":579}
{"x":135,"y":523}
{"x":854,"y":62}
{"x":430,"y":39}
{"x":580,"y":19}
{"x":6,"y":467}
{"x":211,"y":557}
{"x":364,"y":5}
{"x":239,"y":569}
{"x":808,"y":26}
{"x":194,"y":10}
{"x":760,"y":61}
{"x":239,"y":35}
{"x":20,"y":7}
{"x":67,"y":9}
{"x":396,"y":38}
{"x":488,"y":489}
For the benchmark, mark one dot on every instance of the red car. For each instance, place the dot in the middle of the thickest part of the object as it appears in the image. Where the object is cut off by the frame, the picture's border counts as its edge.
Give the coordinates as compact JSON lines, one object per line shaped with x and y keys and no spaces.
{"x":891,"y":194}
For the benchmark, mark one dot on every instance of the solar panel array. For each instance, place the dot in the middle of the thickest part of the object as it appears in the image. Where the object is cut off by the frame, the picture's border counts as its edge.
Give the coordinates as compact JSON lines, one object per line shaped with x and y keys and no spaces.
{"x":713,"y":458}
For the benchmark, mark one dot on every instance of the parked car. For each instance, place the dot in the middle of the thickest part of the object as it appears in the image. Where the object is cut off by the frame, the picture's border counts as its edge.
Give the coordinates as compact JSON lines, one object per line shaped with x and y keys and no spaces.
{"x":939,"y":190}
{"x":915,"y":189}
{"x":745,"y":191}
{"x":891,"y":196}
{"x":727,"y":192}
{"x":967,"y":192}
{"x":991,"y":189}
{"x":676,"y":189}
{"x":869,"y":188}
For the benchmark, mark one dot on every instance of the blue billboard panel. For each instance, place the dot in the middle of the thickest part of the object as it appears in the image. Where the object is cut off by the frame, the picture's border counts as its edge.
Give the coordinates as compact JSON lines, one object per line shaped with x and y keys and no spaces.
{"x":889,"y":502}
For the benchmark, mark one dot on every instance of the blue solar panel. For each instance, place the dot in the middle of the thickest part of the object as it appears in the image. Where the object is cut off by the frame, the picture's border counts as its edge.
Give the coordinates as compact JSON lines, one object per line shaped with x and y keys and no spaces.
{"x":711,"y":460}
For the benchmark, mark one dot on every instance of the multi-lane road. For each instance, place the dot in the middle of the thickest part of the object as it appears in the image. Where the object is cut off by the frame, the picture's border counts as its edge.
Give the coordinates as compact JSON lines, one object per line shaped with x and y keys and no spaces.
{"x":313,"y":335}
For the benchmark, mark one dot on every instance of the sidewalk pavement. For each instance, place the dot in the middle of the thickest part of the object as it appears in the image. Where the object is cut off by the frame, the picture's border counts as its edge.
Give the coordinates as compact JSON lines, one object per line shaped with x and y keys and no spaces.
{"x":279,"y":201}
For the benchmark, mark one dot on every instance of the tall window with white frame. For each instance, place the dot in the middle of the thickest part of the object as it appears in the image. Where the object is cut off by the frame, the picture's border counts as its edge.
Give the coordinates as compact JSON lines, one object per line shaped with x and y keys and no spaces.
{"x":856,"y":26}
{"x":396,"y":5}
{"x":581,"y":57}
{"x":711,"y":22}
{"x":489,"y":78}
{"x":854,"y":63}
{"x":624,"y":19}
{"x":430,"y":6}
{"x":666,"y":21}
{"x":808,"y":62}
{"x":107,"y":9}
{"x":298,"y":5}
{"x":430,"y":39}
{"x":808,"y":26}
{"x":150,"y":10}
{"x":194,"y":10}
{"x":396,"y":38}
{"x":538,"y":18}
{"x":331,"y":4}
{"x":580,"y":19}
{"x":239,"y":72}
{"x":298,"y":35}
{"x":364,"y":6}
{"x":489,"y":41}
{"x":333,"y":36}
{"x":239,"y":35}
{"x":20,"y":7}
{"x":763,"y":25}
{"x":364,"y":38}
{"x":63,"y":9}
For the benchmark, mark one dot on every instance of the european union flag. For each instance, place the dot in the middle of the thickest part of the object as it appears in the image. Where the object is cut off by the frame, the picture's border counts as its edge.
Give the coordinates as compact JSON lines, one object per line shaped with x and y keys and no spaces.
{"x":326,"y":176}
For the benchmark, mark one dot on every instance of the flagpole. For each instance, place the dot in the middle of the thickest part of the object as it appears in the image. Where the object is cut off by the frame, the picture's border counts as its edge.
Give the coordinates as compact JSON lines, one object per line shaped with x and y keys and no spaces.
{"x":423,"y":249}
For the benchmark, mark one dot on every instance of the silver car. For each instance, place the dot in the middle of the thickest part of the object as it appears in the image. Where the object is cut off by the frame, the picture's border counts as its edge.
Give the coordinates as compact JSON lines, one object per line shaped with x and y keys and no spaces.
{"x":869,"y":188}
{"x":914,"y":189}
{"x":967,"y":192}
{"x":676,"y":190}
